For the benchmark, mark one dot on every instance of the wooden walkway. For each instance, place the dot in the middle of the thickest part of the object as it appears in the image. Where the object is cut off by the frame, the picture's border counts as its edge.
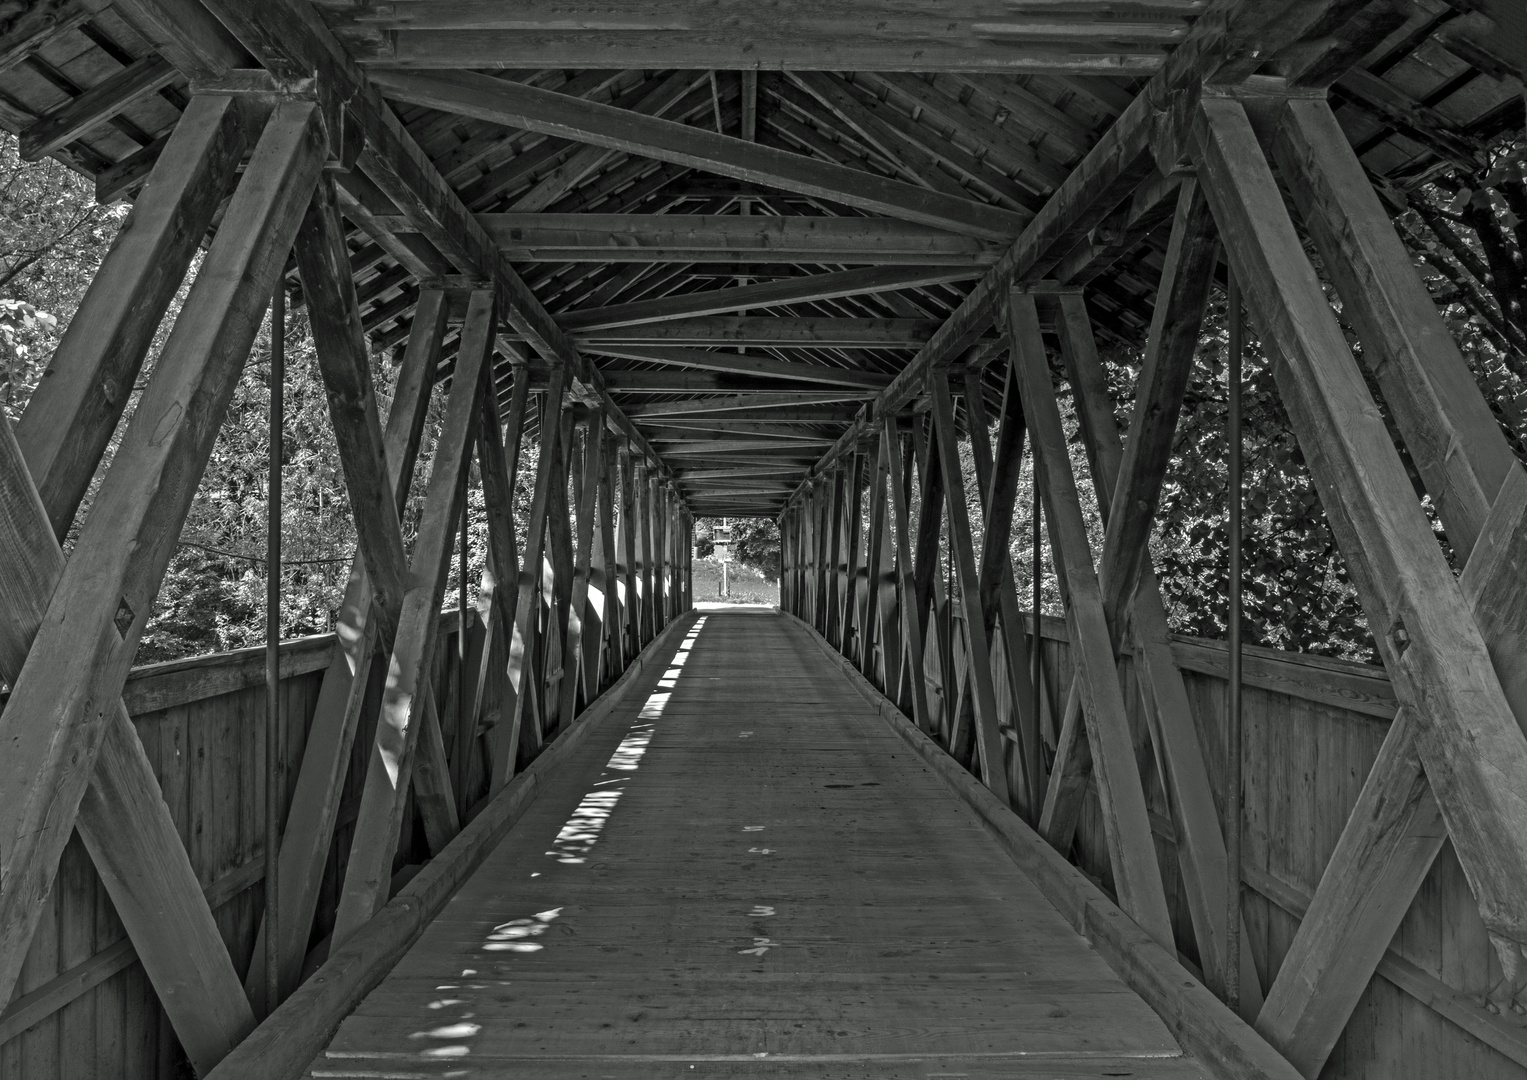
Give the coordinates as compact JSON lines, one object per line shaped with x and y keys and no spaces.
{"x":745,"y":873}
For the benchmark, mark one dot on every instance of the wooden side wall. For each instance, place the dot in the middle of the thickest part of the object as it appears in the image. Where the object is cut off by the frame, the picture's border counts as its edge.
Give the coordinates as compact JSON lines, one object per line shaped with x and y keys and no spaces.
{"x":1312,"y":730}
{"x":84,"y":1007}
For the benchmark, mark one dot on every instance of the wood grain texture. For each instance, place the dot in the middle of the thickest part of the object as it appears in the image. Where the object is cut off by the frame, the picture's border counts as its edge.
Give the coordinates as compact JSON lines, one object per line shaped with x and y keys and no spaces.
{"x":1131,"y":850}
{"x":71,"y":416}
{"x":1473,"y":749}
{"x":747,"y":937}
{"x":55,"y":720}
{"x":314,"y":808}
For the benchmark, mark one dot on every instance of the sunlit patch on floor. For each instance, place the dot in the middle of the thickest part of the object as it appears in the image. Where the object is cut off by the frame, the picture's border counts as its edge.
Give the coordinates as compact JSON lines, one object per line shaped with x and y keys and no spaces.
{"x":511,"y":936}
{"x":582,"y":830}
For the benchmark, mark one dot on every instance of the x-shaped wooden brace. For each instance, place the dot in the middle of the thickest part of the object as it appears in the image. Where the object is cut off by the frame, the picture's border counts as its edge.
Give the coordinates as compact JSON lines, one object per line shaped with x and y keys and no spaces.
{"x":1447,"y":766}
{"x":1453,"y":649}
{"x":314,"y":810}
{"x":70,"y":751}
{"x":408,"y":745}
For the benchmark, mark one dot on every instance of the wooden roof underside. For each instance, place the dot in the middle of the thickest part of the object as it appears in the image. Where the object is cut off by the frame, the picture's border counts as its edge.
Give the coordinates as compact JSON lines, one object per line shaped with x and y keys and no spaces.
{"x":750,"y":250}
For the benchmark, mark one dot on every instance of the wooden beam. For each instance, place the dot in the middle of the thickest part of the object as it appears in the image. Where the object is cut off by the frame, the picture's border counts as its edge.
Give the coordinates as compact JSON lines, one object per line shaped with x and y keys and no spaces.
{"x":527,"y":607}
{"x":911,"y":621}
{"x":784,"y":405}
{"x":404,"y":714}
{"x":52,"y":725}
{"x":998,"y":483}
{"x":1126,"y":823}
{"x":1472,"y":747}
{"x":534,"y":109}
{"x":1395,"y":831}
{"x":573,"y":658}
{"x":680,"y":238}
{"x":776,"y":331}
{"x":1180,"y":761}
{"x":962,"y":554}
{"x":107,"y":98}
{"x":102,"y":350}
{"x":123,"y":819}
{"x":314,"y":810}
{"x":792,"y":290}
{"x":744,"y":364}
{"x":873,"y":36}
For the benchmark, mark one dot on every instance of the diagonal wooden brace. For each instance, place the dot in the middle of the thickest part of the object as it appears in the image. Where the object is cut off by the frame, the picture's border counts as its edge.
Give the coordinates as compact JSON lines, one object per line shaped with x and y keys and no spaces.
{"x":1468,"y":738}
{"x":405,"y":719}
{"x":1126,"y":824}
{"x":55,"y":721}
{"x":314,"y":810}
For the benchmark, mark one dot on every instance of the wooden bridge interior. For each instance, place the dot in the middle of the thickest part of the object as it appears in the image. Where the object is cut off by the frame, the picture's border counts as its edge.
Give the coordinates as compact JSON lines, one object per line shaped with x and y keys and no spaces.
{"x":761,"y":259}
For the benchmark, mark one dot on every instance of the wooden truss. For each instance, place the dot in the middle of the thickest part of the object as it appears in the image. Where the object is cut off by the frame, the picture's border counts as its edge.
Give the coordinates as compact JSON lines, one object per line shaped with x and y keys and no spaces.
{"x":808,"y":279}
{"x":1447,"y":642}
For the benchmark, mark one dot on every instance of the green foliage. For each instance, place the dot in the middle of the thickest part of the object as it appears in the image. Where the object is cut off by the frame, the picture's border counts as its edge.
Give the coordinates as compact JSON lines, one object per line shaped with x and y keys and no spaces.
{"x":755,"y":542}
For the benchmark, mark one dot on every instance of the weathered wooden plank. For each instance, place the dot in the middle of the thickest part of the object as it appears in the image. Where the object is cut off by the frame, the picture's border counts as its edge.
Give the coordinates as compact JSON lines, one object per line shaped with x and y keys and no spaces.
{"x":688,"y":238}
{"x":1474,"y":751}
{"x":84,"y":647}
{"x":532,"y":108}
{"x":94,"y":367}
{"x":1131,"y":851}
{"x":791,"y":290}
{"x":95,"y":106}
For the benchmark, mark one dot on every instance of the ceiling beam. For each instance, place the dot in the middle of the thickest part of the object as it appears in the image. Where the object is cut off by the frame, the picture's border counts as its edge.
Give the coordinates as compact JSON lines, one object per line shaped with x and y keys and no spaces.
{"x":792,"y":290}
{"x":497,"y":101}
{"x":750,"y":404}
{"x":284,"y":33}
{"x":858,"y":35}
{"x":775,"y":331}
{"x":606,"y":238}
{"x":744,"y":364}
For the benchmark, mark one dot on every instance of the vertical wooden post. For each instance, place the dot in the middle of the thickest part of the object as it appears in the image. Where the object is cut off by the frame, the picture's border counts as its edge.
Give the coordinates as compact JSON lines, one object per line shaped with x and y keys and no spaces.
{"x":275,"y":789}
{"x":1232,"y":952}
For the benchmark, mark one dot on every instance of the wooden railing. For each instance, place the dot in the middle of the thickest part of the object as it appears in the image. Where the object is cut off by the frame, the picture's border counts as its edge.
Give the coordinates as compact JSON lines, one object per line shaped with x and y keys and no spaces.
{"x":201,"y":721}
{"x":1313,"y":727}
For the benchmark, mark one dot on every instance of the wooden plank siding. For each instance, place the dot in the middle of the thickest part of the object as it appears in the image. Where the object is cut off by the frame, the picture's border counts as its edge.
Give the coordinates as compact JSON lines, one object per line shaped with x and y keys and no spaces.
{"x":1305,"y":761}
{"x":84,"y":1006}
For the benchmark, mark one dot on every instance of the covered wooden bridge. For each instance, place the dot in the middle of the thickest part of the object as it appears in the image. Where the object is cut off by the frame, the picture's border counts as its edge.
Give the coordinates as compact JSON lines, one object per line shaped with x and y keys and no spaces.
{"x":803,"y":261}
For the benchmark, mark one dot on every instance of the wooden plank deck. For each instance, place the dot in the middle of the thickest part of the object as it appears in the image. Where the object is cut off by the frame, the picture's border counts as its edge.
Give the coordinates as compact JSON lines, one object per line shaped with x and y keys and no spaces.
{"x":746,"y":873}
